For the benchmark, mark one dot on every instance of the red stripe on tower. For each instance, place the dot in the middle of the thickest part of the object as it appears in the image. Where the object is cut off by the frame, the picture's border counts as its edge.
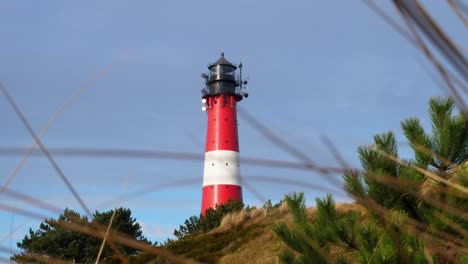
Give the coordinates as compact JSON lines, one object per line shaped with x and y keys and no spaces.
{"x":221,"y":174}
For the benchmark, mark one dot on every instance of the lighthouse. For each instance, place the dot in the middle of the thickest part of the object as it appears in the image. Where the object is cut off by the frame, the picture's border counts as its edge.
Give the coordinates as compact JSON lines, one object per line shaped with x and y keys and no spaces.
{"x":221,"y":173}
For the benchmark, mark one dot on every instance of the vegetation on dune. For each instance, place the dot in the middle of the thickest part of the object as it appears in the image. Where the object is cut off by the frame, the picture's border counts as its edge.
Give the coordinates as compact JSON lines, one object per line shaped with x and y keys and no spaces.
{"x":204,"y":239}
{"x":340,"y":237}
{"x":417,"y":208}
{"x":410,"y":211}
{"x":211,"y":219}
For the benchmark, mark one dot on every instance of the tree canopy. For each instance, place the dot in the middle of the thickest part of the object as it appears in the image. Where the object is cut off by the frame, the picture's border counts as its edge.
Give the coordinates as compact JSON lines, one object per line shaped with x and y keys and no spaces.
{"x":54,"y":240}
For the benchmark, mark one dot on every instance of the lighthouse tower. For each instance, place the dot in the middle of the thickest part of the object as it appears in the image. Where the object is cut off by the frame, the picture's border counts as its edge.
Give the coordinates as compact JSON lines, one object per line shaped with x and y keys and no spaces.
{"x":221,"y":173}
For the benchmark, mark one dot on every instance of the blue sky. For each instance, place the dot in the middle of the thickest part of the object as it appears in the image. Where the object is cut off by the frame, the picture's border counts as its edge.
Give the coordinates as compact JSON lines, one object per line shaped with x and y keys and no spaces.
{"x":331,"y":69}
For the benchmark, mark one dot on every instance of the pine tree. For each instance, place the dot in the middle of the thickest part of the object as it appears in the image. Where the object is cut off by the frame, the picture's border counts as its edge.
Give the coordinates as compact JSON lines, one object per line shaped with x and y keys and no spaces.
{"x":340,"y":237}
{"x":421,"y":198}
{"x":416,"y":208}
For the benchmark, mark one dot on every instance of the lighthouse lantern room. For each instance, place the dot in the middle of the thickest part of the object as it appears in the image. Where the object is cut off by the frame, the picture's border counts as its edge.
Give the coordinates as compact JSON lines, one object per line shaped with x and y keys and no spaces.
{"x":221,"y":174}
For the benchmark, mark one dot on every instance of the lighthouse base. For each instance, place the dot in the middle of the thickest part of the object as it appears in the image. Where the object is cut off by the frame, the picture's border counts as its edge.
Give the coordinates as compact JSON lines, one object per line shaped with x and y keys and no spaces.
{"x":214,"y":195}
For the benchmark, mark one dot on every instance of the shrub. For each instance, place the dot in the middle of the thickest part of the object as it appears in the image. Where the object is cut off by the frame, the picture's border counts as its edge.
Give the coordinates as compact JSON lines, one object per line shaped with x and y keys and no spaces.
{"x":211,"y":219}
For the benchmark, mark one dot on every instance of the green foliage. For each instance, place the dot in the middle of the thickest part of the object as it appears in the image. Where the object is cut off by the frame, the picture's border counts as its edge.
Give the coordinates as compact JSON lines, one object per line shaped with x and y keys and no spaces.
{"x":448,"y":143}
{"x":190,"y":227}
{"x":207,"y":247}
{"x":443,"y":153}
{"x":53,"y":239}
{"x":335,"y":237}
{"x":302,"y":237}
{"x":402,"y":189}
{"x":211,"y":219}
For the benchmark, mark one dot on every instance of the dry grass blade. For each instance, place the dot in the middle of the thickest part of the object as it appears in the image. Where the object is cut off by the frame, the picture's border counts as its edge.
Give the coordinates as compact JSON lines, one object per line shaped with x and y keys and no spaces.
{"x":106,"y":153}
{"x":412,"y":9}
{"x":80,"y":89}
{"x":431,"y":153}
{"x":458,"y":82}
{"x":20,"y":211}
{"x":272,"y":137}
{"x":154,"y":188}
{"x":105,"y":236}
{"x":439,"y":67}
{"x":407,"y":35}
{"x":38,"y":258}
{"x":437,"y":80}
{"x":414,"y":189}
{"x":315,"y":245}
{"x":120,"y":238}
{"x":40,"y":204}
{"x":299,"y":183}
{"x":124,"y":260}
{"x":433,"y":239}
{"x":254,"y":191}
{"x":443,"y":237}
{"x":98,"y":231}
{"x":458,"y":11}
{"x":290,"y":165}
{"x":452,"y":224}
{"x":414,"y":14}
{"x":44,"y":150}
{"x":245,"y":179}
{"x":31,"y":200}
{"x":378,"y":244}
{"x":463,"y":7}
{"x":286,"y":146}
{"x":336,"y":154}
{"x":443,"y":72}
{"x":425,"y":172}
{"x":167,"y":155}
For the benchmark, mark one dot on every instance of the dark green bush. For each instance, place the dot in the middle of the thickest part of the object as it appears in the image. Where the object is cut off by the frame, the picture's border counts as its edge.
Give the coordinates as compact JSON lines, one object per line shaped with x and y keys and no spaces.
{"x":211,"y":219}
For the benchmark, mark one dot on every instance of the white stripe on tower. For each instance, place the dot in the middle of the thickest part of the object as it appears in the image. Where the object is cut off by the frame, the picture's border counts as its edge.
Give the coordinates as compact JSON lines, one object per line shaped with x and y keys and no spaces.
{"x":221,"y":167}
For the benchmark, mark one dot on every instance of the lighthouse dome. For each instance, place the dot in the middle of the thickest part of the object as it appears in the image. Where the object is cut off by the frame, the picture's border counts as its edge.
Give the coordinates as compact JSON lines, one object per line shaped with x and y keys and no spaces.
{"x":222,"y":65}
{"x":222,"y":79}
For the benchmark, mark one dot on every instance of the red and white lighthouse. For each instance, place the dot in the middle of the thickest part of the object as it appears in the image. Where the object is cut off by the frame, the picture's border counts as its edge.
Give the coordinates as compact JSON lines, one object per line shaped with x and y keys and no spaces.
{"x":221,"y":173}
